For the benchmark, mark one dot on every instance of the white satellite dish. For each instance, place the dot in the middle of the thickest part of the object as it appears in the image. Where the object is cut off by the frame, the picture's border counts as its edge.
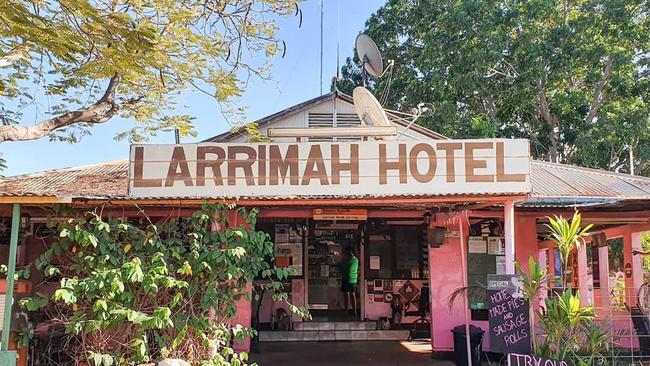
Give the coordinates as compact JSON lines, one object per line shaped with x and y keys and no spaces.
{"x":368,"y":108}
{"x":369,"y":55}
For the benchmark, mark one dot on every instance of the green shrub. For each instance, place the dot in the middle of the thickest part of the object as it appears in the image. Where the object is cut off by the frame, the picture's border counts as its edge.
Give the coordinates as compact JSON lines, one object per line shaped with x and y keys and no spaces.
{"x":131,"y":294}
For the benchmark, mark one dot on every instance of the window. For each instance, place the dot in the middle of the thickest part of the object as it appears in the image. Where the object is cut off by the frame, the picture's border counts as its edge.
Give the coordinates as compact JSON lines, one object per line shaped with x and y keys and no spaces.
{"x":396,"y":252}
{"x":327,"y":120}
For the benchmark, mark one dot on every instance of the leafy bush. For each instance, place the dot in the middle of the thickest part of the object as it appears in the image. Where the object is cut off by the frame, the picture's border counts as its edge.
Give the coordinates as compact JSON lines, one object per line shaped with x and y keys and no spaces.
{"x":131,"y":294}
{"x":571,"y":332}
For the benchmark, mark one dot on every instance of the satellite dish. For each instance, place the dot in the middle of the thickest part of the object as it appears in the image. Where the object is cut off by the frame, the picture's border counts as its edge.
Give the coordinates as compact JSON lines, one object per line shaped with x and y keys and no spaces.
{"x":368,"y":108}
{"x":369,"y":55}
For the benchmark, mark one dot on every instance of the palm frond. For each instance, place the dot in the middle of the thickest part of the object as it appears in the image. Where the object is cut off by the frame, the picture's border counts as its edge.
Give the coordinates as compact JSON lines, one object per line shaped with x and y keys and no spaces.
{"x":476,"y":291}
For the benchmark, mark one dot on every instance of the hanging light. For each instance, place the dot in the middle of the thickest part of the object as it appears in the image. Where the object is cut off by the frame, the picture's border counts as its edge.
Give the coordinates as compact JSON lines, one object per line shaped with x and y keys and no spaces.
{"x":25,"y":221}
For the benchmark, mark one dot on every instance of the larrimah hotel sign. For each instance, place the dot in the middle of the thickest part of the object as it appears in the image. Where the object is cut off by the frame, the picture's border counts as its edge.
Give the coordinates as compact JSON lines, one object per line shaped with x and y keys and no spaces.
{"x":380,"y":168}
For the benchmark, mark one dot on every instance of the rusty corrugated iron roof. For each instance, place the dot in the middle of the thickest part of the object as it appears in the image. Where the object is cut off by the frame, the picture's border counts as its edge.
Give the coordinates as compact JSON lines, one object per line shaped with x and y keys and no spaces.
{"x":110,"y":180}
{"x":99,"y":180}
{"x":561,"y":180}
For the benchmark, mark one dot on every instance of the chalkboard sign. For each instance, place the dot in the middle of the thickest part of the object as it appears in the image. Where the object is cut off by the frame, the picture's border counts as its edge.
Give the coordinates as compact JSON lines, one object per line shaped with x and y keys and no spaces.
{"x":508,"y":315}
{"x":515,"y":359}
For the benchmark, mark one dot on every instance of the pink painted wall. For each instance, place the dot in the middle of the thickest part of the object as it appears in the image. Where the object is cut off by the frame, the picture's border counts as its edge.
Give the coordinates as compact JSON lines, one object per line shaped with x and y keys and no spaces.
{"x":444,"y":282}
{"x":445,"y":277}
{"x":297,"y":297}
{"x":525,"y":240}
{"x":243,"y":317}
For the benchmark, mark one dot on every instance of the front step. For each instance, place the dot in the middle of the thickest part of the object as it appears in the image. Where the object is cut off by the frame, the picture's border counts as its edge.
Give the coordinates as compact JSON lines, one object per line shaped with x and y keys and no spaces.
{"x":335,"y":326}
{"x":344,"y":331}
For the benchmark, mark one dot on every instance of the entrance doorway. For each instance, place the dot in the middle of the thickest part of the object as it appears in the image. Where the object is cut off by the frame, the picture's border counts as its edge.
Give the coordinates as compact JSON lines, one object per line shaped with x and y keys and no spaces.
{"x":326,"y":254}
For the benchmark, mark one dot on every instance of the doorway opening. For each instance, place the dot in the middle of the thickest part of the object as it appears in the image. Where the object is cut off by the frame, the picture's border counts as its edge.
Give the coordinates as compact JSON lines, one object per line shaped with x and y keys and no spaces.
{"x":329,"y":269}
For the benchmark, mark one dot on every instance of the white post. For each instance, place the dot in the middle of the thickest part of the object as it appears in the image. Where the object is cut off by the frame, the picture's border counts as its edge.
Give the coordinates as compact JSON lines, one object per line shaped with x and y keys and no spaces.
{"x":583,"y":286}
{"x":603,"y":269}
{"x":463,"y":268}
{"x":637,"y":263}
{"x":509,"y":232}
{"x":542,"y":255}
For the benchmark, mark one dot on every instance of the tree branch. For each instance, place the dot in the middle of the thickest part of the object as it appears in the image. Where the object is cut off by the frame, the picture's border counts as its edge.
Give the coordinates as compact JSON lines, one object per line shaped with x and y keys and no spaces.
{"x":488,"y":103}
{"x":598,"y":98}
{"x":13,"y":55}
{"x":101,"y":111}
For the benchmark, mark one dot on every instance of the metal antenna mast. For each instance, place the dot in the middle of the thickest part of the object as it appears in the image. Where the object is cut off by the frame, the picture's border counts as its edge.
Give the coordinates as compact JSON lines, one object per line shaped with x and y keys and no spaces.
{"x":338,"y":36}
{"x":321,"y":47}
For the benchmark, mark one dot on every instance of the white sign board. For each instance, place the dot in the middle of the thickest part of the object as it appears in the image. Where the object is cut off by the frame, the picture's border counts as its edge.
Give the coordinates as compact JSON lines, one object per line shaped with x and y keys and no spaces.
{"x":365,"y":168}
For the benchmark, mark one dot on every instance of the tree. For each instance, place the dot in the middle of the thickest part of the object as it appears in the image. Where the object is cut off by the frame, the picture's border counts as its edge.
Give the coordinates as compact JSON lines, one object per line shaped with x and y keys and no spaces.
{"x":131,"y":294}
{"x":83,"y":62}
{"x":570,"y":76}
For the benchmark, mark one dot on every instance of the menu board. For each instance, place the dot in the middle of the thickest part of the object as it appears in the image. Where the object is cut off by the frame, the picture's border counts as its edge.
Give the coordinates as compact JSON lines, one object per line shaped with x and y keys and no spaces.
{"x":496,"y":245}
{"x":508,"y":315}
{"x":477,"y":244}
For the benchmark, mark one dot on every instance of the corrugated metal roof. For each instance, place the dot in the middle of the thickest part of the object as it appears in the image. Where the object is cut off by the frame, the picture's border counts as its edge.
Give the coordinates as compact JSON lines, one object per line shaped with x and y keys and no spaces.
{"x":99,"y":180}
{"x":561,"y":180}
{"x":571,"y":184}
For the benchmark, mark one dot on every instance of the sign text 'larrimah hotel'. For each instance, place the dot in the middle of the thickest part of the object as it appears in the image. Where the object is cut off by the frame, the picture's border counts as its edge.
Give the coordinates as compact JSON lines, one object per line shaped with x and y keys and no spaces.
{"x":361,"y":168}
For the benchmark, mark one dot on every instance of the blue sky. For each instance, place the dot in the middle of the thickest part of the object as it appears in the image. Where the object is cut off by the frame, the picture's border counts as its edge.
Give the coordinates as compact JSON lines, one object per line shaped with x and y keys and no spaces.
{"x":295,"y":78}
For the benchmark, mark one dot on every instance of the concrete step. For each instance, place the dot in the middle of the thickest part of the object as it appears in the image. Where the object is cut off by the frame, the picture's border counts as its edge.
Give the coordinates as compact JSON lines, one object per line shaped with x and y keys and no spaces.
{"x":334,"y":326}
{"x":333,"y":335}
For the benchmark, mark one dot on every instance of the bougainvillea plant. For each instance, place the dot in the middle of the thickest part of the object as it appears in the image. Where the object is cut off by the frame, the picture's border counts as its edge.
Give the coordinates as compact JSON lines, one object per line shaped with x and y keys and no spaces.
{"x":134,"y":293}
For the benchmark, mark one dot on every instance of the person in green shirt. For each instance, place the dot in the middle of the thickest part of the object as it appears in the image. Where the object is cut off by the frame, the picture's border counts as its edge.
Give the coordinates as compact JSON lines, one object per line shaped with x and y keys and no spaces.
{"x":350,"y":278}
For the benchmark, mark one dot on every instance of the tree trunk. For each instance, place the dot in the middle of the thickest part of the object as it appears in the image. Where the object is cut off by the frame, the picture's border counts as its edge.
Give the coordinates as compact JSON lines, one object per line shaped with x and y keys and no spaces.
{"x":550,"y":120}
{"x":598,"y":97}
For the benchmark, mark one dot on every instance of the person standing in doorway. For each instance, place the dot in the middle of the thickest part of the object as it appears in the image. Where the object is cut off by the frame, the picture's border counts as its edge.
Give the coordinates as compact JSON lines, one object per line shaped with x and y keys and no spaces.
{"x":350,"y":279}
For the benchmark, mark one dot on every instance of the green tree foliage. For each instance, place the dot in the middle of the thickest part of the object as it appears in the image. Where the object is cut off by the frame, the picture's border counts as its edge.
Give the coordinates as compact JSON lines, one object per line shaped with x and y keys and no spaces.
{"x":131,"y":294}
{"x":77,"y":63}
{"x":571,"y":76}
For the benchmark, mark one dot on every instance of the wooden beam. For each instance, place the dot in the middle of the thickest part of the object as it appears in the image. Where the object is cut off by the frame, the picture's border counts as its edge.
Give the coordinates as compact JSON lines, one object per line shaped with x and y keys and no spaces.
{"x":34,"y":199}
{"x":328,"y":132}
{"x":568,"y":213}
{"x":316,"y":202}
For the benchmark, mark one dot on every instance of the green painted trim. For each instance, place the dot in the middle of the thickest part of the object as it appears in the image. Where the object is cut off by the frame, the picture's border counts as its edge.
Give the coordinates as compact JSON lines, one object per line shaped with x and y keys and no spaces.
{"x":11,"y":270}
{"x":8,"y":358}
